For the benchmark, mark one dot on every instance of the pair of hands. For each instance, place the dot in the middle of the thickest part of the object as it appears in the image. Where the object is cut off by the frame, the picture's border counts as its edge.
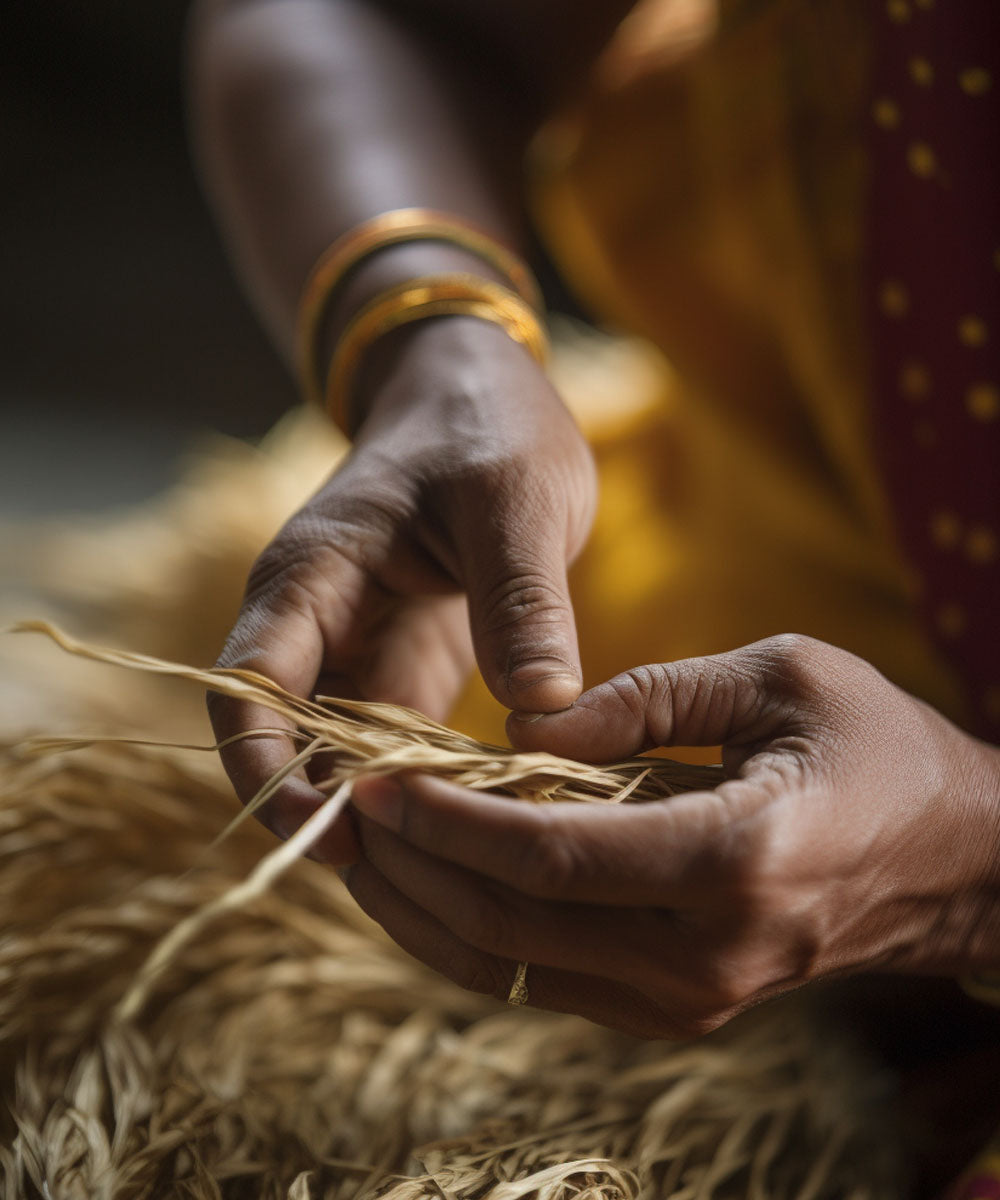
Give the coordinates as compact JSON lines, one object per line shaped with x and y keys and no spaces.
{"x":858,"y":828}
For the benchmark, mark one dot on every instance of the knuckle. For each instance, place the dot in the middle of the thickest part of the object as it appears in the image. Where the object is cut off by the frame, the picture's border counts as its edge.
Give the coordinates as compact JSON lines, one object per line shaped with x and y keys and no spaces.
{"x":486,"y":924}
{"x":280,"y":585}
{"x":703,"y":1021}
{"x":794,"y":662}
{"x":744,"y":858}
{"x":549,"y":865}
{"x":479,"y":974}
{"x":726,"y":986}
{"x":270,"y":566}
{"x":712,"y":699}
{"x":312,"y":546}
{"x":468,"y":473}
{"x":639,"y":685}
{"x":298,"y":551}
{"x":638,"y":690}
{"x":523,"y":595}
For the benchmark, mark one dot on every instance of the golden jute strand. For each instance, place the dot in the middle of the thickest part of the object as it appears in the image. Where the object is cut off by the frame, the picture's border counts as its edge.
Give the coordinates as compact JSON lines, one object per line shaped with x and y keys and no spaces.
{"x":389,"y":229}
{"x":293,"y":1052}
{"x":260,"y":879}
{"x":372,"y":738}
{"x":419,"y":300}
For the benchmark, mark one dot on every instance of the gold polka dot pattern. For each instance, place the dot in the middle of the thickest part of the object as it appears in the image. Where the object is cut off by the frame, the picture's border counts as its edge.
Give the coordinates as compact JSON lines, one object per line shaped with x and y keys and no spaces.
{"x":921,"y":71}
{"x":975,"y":81}
{"x":894,"y":299}
{"x":983,"y":401}
{"x":914,"y":381}
{"x":946,"y":529}
{"x":935,"y":248}
{"x":972,"y":330}
{"x":922,"y":160}
{"x":886,"y":114}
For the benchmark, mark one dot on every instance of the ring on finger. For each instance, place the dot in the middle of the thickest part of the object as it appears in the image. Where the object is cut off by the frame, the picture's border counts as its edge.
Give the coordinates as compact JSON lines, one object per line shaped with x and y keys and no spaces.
{"x":518,"y":993}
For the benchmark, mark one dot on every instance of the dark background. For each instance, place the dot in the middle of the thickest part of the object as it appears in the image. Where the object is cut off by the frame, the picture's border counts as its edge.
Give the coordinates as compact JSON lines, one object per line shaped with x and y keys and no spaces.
{"x":123,"y":335}
{"x":122,"y":332}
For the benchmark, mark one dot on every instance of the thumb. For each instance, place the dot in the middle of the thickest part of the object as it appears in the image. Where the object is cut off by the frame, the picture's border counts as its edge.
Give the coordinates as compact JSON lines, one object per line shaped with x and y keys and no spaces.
{"x":520,"y":612}
{"x":722,"y":699}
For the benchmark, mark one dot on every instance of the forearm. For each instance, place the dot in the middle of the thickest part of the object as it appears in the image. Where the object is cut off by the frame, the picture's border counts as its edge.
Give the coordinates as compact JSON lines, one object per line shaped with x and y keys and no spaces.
{"x":312,"y":115}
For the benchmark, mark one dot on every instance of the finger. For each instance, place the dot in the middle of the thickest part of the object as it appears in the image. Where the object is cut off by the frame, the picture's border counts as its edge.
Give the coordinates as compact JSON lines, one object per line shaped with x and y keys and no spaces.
{"x":423,"y":659}
{"x":523,"y":630}
{"x":285,"y":645}
{"x":721,"y":699}
{"x":672,"y":853}
{"x":629,"y":945}
{"x":601,"y":1000}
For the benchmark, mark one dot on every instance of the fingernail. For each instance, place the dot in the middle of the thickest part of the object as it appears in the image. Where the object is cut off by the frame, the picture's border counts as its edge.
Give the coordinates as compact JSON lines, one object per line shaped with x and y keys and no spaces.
{"x":381,"y":799}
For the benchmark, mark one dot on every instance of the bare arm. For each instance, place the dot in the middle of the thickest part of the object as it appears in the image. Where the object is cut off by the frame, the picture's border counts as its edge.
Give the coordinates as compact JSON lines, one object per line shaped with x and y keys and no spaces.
{"x":312,"y":115}
{"x":447,"y":532}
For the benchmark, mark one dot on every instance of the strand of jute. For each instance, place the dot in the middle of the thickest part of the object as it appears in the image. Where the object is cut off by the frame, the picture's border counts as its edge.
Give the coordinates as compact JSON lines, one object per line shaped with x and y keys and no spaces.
{"x":260,"y":879}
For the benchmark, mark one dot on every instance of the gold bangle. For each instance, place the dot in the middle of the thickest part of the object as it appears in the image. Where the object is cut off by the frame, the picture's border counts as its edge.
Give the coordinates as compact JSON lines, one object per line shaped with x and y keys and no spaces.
{"x":417,"y":300}
{"x":387,"y":229}
{"x":984,"y":986}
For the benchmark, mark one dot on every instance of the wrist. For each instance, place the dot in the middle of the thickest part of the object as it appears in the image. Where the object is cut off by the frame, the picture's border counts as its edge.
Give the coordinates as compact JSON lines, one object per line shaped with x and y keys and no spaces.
{"x":398,"y":289}
{"x":390,"y":266}
{"x":961,"y":864}
{"x":459,"y":375}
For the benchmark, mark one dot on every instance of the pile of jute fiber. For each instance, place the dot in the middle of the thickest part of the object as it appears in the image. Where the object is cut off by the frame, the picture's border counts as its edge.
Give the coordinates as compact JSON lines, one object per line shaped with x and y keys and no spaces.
{"x":189,"y":1015}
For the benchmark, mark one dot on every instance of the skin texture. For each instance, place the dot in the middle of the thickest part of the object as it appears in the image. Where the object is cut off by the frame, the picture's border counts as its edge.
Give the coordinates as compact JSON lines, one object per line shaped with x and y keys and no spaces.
{"x":858,"y":828}
{"x":448,"y":532}
{"x":859,"y":831}
{"x":452,"y":509}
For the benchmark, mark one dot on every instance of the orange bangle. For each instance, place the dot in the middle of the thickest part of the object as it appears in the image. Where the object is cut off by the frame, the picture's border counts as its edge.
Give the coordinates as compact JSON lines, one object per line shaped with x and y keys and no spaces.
{"x":417,"y":300}
{"x":387,"y":229}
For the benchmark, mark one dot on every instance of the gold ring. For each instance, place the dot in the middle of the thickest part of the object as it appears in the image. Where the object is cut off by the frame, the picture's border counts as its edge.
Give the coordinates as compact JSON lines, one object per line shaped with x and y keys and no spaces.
{"x":518,"y":993}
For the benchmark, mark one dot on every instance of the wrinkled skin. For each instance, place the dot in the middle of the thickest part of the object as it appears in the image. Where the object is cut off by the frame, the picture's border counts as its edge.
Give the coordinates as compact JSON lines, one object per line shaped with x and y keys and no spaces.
{"x":859,"y":830}
{"x":443,"y":539}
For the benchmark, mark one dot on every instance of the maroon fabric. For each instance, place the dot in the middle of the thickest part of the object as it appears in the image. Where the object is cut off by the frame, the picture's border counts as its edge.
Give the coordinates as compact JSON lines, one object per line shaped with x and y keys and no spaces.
{"x":936,"y":317}
{"x":976,"y":1187}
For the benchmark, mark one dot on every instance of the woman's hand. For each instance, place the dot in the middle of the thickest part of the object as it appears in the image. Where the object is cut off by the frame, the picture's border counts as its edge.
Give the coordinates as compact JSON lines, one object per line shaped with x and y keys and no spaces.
{"x":858,"y":830}
{"x":446,"y":533}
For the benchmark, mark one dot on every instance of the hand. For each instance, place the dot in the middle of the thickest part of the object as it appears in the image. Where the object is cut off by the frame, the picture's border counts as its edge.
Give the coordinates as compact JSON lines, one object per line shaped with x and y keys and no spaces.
{"x":469,"y":476}
{"x":858,"y":830}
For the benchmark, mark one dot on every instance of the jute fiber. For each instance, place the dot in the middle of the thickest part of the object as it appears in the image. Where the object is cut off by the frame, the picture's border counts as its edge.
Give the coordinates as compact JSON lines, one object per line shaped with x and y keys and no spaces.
{"x":177,"y":1018}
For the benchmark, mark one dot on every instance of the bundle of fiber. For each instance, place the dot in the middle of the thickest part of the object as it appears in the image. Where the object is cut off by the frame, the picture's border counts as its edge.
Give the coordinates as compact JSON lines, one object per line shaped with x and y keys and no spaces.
{"x":283,"y":1047}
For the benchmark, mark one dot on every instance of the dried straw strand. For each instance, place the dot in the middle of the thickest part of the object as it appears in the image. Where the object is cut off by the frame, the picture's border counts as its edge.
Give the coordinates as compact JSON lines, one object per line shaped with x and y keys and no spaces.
{"x":374,"y":738}
{"x":298,"y":1054}
{"x":260,"y":879}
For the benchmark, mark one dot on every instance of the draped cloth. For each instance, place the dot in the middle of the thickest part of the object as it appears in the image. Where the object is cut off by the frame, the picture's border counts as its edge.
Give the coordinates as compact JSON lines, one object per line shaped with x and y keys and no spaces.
{"x":935,"y":317}
{"x":711,"y":192}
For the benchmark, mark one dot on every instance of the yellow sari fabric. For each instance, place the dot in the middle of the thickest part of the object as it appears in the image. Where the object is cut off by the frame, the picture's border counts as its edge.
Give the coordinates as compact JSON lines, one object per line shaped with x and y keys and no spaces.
{"x":708,"y":194}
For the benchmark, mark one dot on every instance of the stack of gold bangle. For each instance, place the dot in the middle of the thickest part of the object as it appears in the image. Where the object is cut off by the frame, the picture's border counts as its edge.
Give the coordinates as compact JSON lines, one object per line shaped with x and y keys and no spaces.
{"x":417,"y":300}
{"x":458,"y":294}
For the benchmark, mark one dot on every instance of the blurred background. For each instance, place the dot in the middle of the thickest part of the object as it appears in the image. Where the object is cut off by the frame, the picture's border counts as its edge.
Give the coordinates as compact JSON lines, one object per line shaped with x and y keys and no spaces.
{"x":124,"y":345}
{"x":122,"y":333}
